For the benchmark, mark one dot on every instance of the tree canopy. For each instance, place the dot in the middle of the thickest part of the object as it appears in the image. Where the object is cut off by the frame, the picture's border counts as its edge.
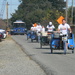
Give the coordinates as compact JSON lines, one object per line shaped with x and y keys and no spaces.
{"x":42,"y":11}
{"x":70,"y":21}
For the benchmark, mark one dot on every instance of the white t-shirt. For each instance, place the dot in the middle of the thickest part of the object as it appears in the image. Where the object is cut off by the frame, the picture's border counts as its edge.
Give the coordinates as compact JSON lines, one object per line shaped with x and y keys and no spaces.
{"x":38,"y":28}
{"x":50,"y":28}
{"x":64,"y":28}
{"x":33,"y":28}
{"x":43,"y":29}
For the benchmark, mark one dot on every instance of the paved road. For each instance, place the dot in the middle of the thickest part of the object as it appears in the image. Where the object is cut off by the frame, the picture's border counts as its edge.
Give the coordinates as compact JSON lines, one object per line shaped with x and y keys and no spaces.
{"x":53,"y":64}
{"x":13,"y":61}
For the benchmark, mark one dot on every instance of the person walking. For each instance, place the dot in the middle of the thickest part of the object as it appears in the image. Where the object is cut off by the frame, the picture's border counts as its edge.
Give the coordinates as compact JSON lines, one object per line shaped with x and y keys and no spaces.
{"x":64,"y":28}
{"x":50,"y":27}
{"x":38,"y":29}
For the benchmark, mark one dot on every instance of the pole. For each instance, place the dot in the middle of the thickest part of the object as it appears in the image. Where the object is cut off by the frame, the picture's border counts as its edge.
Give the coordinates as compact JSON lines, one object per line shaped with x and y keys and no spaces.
{"x":7,"y":18}
{"x":66,"y":10}
{"x":7,"y":13}
{"x":72,"y":13}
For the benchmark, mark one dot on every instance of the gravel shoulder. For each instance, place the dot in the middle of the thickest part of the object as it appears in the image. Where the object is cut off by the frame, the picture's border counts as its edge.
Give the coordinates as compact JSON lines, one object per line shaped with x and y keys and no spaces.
{"x":13,"y":61}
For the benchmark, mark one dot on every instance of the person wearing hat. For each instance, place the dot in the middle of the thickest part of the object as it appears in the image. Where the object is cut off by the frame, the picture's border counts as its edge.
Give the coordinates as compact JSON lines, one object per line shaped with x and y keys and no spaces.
{"x":39,"y":29}
{"x":33,"y":28}
{"x":50,"y":27}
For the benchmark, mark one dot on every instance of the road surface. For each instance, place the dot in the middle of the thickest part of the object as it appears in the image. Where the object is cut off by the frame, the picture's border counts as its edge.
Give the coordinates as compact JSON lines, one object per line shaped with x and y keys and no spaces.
{"x":53,"y":64}
{"x":13,"y":61}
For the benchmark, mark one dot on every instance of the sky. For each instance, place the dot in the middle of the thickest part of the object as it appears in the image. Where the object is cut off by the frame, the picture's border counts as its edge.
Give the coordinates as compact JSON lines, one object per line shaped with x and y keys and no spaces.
{"x":13,"y":4}
{"x":70,"y":2}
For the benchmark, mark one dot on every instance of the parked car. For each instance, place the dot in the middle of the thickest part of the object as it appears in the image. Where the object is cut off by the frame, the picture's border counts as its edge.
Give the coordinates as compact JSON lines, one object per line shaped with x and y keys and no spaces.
{"x":4,"y":33}
{"x":1,"y":36}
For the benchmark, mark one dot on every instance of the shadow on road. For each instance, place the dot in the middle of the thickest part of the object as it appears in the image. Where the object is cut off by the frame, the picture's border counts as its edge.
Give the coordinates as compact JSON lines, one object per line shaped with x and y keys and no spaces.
{"x":32,"y":42}
{"x":43,"y":48}
{"x":60,"y":53}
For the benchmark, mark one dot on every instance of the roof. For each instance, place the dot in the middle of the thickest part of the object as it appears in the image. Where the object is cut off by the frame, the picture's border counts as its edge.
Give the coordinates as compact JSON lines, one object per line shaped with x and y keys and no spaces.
{"x":18,"y":21}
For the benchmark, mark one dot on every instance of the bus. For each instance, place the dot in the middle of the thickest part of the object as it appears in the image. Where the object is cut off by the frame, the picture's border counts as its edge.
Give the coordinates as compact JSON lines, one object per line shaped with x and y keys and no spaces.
{"x":19,"y":27}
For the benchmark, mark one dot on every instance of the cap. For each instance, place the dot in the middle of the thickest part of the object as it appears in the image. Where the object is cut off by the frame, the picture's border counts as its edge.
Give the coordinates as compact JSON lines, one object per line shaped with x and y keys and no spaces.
{"x":50,"y":23}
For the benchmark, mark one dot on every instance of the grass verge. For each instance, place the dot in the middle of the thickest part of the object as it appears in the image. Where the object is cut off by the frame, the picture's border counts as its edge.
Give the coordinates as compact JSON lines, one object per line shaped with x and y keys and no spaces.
{"x":8,"y":37}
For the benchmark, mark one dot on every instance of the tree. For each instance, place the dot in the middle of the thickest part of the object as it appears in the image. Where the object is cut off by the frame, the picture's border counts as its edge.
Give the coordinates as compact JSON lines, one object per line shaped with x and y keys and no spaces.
{"x":70,"y":15}
{"x":53,"y":16}
{"x":58,"y":4}
{"x":32,"y":11}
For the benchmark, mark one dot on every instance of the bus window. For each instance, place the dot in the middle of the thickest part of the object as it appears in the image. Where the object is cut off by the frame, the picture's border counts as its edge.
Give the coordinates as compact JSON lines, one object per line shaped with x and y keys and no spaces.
{"x":16,"y":25}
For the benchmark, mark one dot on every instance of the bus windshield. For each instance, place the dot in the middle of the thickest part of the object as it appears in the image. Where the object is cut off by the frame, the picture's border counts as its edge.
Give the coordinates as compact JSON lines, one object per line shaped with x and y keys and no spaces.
{"x":16,"y":25}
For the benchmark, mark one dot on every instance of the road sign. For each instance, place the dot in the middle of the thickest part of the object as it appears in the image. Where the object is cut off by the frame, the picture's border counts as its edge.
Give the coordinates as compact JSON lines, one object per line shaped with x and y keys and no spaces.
{"x":59,"y":20}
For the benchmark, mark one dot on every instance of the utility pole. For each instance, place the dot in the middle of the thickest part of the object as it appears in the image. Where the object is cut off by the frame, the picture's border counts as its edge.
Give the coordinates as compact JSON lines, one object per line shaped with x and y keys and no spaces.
{"x":7,"y":13}
{"x":66,"y":10}
{"x":72,"y":13}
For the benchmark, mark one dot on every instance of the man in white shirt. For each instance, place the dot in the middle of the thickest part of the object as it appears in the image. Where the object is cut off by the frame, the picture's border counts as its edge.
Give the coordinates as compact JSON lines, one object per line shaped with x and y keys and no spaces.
{"x":43,"y":29}
{"x":33,"y":28}
{"x":39,"y":28}
{"x":50,"y":27}
{"x":64,"y":28}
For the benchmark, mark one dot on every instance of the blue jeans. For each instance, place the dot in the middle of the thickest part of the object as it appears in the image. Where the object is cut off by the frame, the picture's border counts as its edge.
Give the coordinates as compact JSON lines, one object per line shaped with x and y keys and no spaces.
{"x":65,"y":46}
{"x":38,"y":38}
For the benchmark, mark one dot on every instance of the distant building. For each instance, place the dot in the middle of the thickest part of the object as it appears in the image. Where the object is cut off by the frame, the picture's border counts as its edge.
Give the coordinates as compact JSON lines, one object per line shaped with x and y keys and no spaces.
{"x":2,"y":24}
